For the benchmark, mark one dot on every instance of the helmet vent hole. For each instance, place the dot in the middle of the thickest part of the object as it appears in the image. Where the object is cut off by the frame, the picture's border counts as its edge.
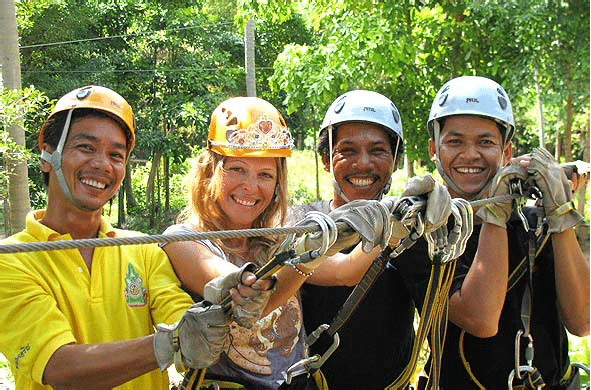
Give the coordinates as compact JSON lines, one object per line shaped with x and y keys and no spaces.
{"x":442,"y":99}
{"x":502,"y":102}
{"x":500,"y":92}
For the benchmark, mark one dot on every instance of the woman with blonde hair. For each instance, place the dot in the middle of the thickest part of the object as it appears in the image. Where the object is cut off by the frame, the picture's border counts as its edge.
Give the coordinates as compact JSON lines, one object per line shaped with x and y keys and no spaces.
{"x":240,"y":182}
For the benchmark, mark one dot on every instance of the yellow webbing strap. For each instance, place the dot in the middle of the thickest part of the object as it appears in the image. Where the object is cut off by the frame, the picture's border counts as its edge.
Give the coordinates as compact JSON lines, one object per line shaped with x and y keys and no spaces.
{"x":434,"y":308}
{"x":320,"y":380}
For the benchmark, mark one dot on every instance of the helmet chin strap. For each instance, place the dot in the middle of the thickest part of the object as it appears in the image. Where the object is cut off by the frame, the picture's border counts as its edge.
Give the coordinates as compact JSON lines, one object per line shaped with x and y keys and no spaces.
{"x":450,"y":183}
{"x":55,"y":159}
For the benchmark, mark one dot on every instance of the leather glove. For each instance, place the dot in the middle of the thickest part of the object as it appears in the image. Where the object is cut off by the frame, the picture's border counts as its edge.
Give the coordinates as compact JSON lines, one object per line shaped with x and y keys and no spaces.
{"x":196,"y":341}
{"x":499,"y":212}
{"x":438,"y":204}
{"x":368,"y":220}
{"x":557,"y":197}
{"x":247,"y":309}
{"x":451,"y":244}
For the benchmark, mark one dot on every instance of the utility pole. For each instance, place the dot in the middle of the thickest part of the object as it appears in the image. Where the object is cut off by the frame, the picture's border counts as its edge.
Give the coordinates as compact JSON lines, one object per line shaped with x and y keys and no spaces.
{"x":18,"y":186}
{"x":251,"y":89}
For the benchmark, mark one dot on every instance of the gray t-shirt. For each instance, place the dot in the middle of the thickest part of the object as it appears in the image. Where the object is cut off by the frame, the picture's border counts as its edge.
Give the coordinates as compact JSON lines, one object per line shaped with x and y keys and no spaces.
{"x":257,"y":357}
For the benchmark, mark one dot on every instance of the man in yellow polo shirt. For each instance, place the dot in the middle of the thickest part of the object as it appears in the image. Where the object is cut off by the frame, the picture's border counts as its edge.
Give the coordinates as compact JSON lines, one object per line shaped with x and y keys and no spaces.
{"x":85,"y":318}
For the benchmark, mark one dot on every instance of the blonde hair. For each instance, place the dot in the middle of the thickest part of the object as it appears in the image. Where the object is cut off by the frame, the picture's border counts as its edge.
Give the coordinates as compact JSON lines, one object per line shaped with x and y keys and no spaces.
{"x":203,"y":212}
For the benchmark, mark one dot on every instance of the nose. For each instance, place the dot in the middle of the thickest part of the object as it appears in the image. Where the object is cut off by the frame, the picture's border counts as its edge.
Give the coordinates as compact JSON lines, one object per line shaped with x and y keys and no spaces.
{"x":470,"y":151}
{"x":100,"y":160}
{"x":250,"y":182}
{"x":363,"y":159}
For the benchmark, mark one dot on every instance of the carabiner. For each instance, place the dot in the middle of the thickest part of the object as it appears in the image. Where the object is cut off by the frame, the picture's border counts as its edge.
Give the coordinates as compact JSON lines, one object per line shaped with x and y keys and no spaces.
{"x":529,"y":352}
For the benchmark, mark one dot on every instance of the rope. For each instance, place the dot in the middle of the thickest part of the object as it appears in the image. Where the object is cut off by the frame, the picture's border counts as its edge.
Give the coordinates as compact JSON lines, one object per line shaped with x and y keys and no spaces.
{"x":166,"y":238}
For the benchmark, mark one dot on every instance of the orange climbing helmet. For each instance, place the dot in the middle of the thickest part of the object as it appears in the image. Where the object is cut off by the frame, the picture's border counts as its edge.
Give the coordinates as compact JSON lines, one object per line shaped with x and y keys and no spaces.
{"x":98,"y":98}
{"x":248,"y":127}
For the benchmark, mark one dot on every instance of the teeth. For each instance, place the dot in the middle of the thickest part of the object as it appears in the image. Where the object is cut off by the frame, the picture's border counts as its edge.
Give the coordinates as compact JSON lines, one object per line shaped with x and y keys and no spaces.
{"x":94,"y":183}
{"x":245,"y":202}
{"x":361,"y":182}
{"x":469,"y":170}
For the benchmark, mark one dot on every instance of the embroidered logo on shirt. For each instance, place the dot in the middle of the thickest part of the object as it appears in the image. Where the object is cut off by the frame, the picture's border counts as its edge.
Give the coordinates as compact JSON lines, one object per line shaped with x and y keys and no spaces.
{"x":135,"y":293}
{"x":22,"y":354}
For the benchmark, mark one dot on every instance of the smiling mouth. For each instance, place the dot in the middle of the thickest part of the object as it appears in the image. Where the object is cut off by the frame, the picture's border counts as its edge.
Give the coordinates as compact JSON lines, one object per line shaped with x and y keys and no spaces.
{"x":94,"y":184}
{"x":244,"y":202}
{"x":361,"y":182}
{"x":472,"y":170}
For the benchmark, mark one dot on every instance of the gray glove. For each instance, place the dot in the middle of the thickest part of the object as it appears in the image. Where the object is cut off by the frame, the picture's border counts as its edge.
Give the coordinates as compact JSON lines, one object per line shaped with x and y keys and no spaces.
{"x":498,"y":213}
{"x":438,"y":204}
{"x":368,"y":220}
{"x":247,"y":310}
{"x":551,"y":180}
{"x":196,"y":341}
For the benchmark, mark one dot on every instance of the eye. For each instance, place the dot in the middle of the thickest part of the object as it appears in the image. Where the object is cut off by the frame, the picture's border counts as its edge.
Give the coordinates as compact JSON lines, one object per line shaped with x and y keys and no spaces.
{"x":117,"y":156}
{"x":85,"y":147}
{"x":267,"y":175}
{"x":379,"y":151}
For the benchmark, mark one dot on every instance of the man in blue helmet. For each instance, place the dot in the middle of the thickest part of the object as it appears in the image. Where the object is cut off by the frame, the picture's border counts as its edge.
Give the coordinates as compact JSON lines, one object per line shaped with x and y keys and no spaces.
{"x":361,"y":144}
{"x":522,"y":278}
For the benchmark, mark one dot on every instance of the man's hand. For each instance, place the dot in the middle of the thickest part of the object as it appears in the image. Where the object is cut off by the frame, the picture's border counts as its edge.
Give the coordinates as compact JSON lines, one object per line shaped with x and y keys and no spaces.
{"x":366,"y":220}
{"x":248,"y":302}
{"x":196,"y":341}
{"x":557,"y":196}
{"x":498,"y":213}
{"x":437,"y":210}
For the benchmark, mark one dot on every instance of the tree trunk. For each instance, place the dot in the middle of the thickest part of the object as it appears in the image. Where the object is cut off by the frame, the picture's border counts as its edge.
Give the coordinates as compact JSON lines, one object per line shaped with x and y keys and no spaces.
{"x":18,"y":182}
{"x":129,"y":198}
{"x":540,"y":107}
{"x":568,"y":125}
{"x":150,"y":187}
{"x":166,"y":173}
{"x":251,"y":89}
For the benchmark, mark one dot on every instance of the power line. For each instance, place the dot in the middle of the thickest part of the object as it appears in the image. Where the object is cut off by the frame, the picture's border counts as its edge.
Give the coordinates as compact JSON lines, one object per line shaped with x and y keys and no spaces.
{"x":141,"y":70}
{"x":113,"y":36}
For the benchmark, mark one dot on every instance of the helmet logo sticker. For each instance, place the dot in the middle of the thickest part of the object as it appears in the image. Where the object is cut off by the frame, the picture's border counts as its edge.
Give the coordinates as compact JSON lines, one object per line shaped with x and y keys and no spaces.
{"x":339,"y":105}
{"x":83,"y":93}
{"x":472,"y":100}
{"x":395,"y":114}
{"x":369,"y":109}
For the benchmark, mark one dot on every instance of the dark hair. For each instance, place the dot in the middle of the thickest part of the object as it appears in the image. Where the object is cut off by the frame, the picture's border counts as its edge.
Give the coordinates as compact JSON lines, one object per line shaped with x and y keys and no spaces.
{"x":54,"y":127}
{"x":323,"y":147}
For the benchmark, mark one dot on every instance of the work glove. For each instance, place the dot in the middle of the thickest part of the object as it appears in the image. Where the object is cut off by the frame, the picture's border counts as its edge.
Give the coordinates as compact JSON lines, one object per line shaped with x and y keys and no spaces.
{"x":452,"y":243}
{"x":498,"y":212}
{"x":366,"y":220}
{"x":196,"y":341}
{"x":559,"y":208}
{"x":248,"y":307}
{"x":437,"y":209}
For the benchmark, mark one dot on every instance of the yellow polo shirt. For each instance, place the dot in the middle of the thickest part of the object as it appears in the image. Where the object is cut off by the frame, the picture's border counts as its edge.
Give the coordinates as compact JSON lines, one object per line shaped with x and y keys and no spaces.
{"x":49,"y":299}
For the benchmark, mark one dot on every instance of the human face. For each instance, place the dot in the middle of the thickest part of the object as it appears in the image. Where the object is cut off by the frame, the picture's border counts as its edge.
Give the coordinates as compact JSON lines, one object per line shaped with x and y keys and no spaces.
{"x":362,"y":161}
{"x":247,"y":188}
{"x":93,"y":161}
{"x":470,"y":152}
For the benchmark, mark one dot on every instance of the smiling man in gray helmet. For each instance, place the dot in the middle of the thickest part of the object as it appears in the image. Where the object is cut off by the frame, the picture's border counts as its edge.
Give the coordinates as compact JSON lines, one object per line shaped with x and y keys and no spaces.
{"x":361,"y":143}
{"x":522,"y":277}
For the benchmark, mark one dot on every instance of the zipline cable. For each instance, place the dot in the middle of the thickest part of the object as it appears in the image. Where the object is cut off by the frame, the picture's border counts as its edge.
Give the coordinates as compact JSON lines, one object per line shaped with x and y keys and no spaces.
{"x":166,"y":238}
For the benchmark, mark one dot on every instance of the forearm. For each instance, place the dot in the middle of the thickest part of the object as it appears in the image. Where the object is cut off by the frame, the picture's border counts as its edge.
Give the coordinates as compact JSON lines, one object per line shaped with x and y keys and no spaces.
{"x":477,"y":306}
{"x":288,"y":283}
{"x":572,"y":282}
{"x":100,"y":366}
{"x":344,"y":269}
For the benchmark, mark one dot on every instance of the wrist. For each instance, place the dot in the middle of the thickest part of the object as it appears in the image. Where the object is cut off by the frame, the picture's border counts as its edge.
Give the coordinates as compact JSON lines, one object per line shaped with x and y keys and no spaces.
{"x":302,"y":270}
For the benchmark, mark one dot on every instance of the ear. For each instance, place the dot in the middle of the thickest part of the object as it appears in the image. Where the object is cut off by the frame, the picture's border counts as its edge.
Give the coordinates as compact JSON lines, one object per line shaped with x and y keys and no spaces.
{"x":326,"y":163}
{"x":45,"y":165}
{"x":507,"y":153}
{"x":432,"y":151}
